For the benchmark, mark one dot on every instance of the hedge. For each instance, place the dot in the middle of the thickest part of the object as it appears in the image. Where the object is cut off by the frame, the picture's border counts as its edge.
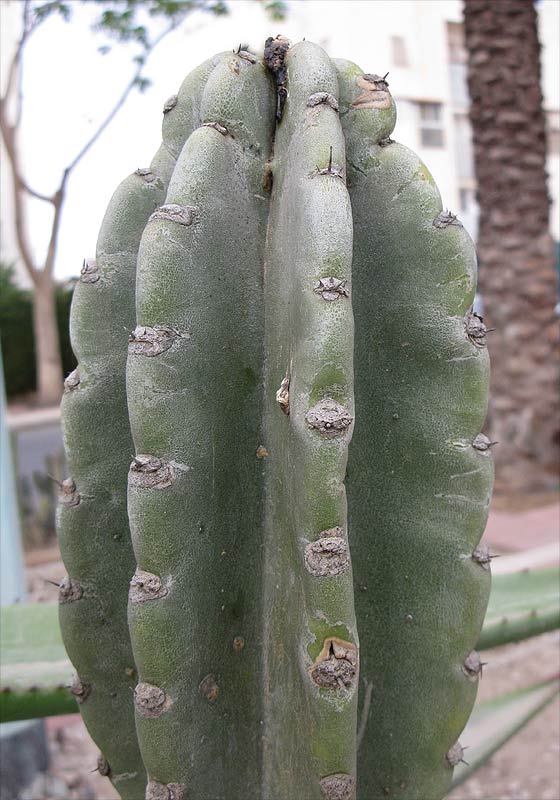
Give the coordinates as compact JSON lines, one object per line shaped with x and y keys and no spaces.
{"x":16,"y":333}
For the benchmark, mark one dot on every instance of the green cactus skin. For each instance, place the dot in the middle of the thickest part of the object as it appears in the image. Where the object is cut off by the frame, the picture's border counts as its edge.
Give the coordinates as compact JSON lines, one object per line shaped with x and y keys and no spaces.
{"x":310,"y":627}
{"x":196,"y":488}
{"x":92,"y":517}
{"x":418,"y":489}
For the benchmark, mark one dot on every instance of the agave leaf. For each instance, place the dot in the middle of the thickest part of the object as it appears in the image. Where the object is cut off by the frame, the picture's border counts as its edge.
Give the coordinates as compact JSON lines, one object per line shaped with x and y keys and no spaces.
{"x":496,"y":721}
{"x":35,"y":672}
{"x":522,"y":604}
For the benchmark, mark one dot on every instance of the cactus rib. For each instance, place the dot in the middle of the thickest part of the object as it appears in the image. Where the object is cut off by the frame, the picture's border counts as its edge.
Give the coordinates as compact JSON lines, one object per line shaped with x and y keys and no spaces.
{"x":194,"y":506}
{"x":309,"y":340}
{"x":421,"y":394}
{"x":92,"y":519}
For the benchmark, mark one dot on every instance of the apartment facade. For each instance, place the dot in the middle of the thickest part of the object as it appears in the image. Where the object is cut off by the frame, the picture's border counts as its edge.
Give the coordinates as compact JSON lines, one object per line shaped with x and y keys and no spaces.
{"x":421,"y":44}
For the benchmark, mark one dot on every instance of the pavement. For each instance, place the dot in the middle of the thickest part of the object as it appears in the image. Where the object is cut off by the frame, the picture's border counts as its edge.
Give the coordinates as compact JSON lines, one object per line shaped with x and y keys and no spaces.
{"x":515,"y":531}
{"x":21,"y":418}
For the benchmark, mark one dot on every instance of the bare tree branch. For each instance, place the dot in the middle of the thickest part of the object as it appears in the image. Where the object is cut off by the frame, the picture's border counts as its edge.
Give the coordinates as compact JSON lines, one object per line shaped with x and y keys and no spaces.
{"x":122,"y":99}
{"x":8,"y":135}
{"x":58,"y":201}
{"x":14,"y":86}
{"x":20,"y":185}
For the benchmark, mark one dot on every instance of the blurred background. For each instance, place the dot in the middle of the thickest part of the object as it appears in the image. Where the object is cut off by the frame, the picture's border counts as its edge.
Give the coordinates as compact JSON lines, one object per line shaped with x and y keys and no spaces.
{"x":82,"y":87}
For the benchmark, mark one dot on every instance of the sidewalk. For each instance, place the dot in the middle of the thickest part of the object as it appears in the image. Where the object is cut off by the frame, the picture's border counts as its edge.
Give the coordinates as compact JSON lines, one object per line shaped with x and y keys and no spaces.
{"x":19,"y":419}
{"x":512,"y":532}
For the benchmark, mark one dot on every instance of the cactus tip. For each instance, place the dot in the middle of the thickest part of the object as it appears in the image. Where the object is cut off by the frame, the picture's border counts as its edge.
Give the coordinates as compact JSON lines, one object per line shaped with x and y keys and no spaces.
{"x":322,"y":98}
{"x":103,"y":766}
{"x":446,"y":218}
{"x":68,"y":495}
{"x":375,"y":92}
{"x":339,"y":786}
{"x":209,"y":688}
{"x":170,"y":104}
{"x":150,"y":700}
{"x":336,"y":665}
{"x":90,"y":271}
{"x":482,"y":442}
{"x":455,"y":755}
{"x":329,"y":417}
{"x":165,"y":791}
{"x":472,"y":666}
{"x":145,"y":586}
{"x":150,"y":472}
{"x":69,"y":591}
{"x":475,"y":329}
{"x":283,"y":394}
{"x":173,"y":212}
{"x":217,"y":127}
{"x":80,"y":690}
{"x":72,"y":381}
{"x":331,"y":289}
{"x":328,"y":556}
{"x":151,"y":341}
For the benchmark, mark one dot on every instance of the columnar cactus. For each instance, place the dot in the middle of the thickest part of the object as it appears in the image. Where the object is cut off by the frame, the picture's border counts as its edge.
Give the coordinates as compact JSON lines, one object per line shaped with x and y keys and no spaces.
{"x":260,"y":663}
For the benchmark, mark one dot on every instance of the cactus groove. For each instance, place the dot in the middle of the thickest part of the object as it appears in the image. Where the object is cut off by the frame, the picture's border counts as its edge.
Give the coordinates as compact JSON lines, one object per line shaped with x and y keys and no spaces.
{"x":299,"y":309}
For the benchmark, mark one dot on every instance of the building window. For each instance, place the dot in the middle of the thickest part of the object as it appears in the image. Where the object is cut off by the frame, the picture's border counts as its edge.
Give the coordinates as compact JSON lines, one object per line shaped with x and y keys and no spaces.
{"x":398,"y":48}
{"x":457,"y":58}
{"x":456,"y":49}
{"x":553,"y":133}
{"x":464,"y":156}
{"x":466,"y":199}
{"x":431,"y":124}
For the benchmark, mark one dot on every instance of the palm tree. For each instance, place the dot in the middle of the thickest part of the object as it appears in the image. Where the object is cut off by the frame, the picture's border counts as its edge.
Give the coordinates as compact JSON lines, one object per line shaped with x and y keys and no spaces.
{"x":516,"y":251}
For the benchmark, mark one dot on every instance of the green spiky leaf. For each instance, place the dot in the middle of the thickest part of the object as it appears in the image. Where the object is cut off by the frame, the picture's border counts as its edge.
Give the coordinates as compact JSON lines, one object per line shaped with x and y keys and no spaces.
{"x":522,"y":604}
{"x":496,"y":721}
{"x":35,"y":670}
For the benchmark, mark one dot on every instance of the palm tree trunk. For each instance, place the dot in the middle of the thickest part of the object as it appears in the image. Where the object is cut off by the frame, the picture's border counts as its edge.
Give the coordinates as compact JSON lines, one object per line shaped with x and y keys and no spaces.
{"x":47,"y":346}
{"x":516,"y":254}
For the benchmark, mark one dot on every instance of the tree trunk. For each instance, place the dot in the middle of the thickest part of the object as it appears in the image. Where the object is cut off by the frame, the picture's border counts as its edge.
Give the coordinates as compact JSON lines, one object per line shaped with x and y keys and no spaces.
{"x":47,"y":346}
{"x":516,"y":254}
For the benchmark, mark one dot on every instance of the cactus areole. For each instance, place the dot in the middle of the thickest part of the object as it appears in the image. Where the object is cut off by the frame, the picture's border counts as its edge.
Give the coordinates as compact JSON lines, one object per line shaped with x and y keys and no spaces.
{"x":277,"y":485}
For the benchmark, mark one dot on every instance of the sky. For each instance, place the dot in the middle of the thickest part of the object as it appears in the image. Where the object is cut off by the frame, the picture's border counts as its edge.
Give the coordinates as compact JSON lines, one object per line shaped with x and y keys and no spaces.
{"x":68,"y":87}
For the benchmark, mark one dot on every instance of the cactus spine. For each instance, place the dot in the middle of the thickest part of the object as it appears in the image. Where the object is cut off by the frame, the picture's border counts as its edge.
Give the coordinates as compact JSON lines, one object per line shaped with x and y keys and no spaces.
{"x":243,"y":608}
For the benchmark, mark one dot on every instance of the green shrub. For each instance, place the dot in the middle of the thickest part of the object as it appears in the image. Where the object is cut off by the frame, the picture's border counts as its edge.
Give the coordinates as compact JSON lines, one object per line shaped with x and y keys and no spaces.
{"x":16,"y":332}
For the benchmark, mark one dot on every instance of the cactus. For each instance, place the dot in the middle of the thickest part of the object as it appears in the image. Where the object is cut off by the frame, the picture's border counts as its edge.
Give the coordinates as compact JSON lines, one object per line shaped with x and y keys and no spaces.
{"x":260,"y":661}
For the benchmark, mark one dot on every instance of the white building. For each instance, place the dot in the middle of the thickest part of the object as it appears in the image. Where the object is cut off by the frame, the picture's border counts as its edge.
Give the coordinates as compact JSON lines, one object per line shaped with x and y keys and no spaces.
{"x":419,"y":42}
